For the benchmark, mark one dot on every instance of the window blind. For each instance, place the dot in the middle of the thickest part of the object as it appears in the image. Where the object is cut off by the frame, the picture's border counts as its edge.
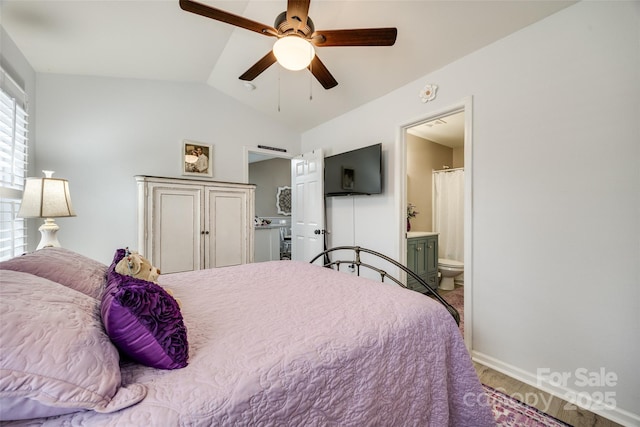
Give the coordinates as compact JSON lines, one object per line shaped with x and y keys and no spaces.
{"x":13,"y":170}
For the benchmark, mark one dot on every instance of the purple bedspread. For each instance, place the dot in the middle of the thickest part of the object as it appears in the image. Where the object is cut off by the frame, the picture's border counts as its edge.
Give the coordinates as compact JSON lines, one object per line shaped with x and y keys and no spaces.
{"x":289,"y":343}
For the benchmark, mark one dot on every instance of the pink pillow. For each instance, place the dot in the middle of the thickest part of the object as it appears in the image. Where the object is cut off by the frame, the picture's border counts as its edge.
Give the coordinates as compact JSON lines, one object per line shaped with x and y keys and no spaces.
{"x":56,"y":358}
{"x":62,"y":266}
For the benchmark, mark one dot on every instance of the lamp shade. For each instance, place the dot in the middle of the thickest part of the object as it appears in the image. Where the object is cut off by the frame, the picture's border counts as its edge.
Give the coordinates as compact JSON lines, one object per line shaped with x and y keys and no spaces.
{"x":293,"y":53}
{"x":46,"y":198}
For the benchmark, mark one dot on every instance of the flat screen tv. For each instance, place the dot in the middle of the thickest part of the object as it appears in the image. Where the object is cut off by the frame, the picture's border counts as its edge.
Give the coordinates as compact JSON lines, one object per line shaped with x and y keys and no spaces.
{"x":354,"y":172}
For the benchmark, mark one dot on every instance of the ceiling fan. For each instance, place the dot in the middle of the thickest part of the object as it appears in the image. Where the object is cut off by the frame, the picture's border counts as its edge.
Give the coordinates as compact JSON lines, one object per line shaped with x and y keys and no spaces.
{"x":296,"y":34}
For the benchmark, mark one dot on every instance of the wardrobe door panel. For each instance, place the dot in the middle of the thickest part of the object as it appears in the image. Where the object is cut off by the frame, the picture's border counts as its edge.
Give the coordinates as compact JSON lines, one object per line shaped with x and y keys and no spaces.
{"x":177,"y":229}
{"x":226,"y":243}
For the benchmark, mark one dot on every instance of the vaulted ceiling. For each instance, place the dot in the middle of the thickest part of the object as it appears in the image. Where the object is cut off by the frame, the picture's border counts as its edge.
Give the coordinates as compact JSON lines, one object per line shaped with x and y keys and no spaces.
{"x":156,"y":39}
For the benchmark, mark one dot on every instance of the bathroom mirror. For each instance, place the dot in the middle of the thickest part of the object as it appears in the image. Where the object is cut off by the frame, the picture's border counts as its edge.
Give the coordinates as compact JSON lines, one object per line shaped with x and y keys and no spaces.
{"x":283,"y":200}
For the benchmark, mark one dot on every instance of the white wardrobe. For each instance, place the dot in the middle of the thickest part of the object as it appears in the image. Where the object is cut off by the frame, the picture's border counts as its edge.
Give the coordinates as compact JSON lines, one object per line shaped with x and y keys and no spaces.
{"x":186,"y":224}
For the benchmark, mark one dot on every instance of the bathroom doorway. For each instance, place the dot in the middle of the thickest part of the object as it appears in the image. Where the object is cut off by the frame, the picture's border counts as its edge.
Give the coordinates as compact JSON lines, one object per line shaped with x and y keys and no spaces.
{"x":270,"y":171}
{"x":447,"y":138}
{"x":435,"y":145}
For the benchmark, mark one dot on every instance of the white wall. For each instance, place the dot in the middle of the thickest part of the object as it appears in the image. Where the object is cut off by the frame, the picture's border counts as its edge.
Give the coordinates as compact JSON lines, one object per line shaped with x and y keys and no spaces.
{"x":556,"y":239}
{"x":100,"y":132}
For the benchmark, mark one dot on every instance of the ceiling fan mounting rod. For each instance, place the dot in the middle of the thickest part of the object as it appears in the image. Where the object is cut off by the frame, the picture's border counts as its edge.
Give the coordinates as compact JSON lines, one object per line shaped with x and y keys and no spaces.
{"x":283,"y":25}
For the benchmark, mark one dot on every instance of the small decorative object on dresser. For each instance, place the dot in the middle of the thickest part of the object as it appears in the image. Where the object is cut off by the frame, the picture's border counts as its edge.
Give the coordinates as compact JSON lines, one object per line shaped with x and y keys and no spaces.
{"x":196,"y":159}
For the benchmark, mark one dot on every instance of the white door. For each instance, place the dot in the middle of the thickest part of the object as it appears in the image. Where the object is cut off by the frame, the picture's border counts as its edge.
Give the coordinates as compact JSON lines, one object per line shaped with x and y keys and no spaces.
{"x":307,"y":199}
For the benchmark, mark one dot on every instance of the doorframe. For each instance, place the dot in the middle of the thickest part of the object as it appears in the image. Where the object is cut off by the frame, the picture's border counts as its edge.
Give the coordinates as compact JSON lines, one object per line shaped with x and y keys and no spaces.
{"x":466,"y":105}
{"x":246,"y":150}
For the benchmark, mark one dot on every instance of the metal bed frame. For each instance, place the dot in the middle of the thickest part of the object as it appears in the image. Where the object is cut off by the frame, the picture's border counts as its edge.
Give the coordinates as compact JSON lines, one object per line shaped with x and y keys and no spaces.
{"x":356,"y":263}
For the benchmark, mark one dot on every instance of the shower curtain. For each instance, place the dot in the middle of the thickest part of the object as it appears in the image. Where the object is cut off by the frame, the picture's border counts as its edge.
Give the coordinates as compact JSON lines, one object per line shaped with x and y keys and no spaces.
{"x":448,"y":213}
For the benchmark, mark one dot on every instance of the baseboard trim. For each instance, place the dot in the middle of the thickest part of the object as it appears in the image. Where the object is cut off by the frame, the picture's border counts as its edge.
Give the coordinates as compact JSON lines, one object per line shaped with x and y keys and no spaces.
{"x":617,"y":415}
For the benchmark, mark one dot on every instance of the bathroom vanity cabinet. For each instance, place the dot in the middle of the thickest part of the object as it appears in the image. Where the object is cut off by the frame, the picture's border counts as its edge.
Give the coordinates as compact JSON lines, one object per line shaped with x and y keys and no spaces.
{"x":422,"y":259}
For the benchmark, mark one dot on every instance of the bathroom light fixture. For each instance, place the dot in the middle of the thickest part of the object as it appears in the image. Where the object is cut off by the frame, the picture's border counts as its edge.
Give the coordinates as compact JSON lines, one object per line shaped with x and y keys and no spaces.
{"x":46,"y":198}
{"x":293,"y":53}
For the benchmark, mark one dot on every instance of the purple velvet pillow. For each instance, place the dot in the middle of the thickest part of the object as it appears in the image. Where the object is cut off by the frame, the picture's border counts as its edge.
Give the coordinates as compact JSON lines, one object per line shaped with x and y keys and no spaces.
{"x":143,"y":320}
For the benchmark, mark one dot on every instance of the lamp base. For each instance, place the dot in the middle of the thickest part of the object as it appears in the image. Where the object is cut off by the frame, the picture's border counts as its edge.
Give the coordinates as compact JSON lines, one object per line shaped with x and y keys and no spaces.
{"x":49,"y":231}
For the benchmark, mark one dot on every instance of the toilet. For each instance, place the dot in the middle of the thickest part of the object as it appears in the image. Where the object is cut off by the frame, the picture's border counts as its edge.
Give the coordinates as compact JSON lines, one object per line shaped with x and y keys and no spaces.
{"x":449,"y":269}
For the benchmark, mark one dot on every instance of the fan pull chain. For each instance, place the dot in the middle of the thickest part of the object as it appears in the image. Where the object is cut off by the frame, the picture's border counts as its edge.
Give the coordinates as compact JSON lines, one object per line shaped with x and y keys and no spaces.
{"x":311,"y":76}
{"x":279,"y":90}
{"x":310,"y":86}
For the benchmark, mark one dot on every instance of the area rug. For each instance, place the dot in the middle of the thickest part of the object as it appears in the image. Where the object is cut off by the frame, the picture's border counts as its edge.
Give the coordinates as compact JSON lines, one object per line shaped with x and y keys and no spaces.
{"x":510,"y":412}
{"x":456,"y":299}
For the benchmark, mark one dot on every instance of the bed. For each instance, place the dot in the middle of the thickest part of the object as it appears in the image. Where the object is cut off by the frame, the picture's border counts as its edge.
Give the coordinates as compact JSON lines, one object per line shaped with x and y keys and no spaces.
{"x":279,"y":343}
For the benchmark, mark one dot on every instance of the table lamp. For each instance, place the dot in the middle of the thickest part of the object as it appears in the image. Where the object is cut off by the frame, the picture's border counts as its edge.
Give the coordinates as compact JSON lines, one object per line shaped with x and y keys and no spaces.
{"x":46,"y":198}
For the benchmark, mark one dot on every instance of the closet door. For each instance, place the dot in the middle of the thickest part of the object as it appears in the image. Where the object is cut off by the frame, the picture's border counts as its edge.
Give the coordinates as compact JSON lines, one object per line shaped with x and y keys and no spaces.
{"x":227,"y":214}
{"x":176,"y":227}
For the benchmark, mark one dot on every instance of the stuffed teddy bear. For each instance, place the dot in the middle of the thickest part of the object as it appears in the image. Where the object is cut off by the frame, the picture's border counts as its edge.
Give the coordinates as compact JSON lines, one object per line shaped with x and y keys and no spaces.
{"x":135,"y":265}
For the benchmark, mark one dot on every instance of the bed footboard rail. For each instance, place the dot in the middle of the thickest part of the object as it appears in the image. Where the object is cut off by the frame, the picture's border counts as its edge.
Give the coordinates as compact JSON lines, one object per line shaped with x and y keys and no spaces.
{"x":356,"y":262}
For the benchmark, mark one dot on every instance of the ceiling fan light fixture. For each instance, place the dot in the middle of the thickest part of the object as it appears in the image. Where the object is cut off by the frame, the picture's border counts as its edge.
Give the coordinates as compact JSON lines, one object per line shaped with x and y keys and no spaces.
{"x":293,"y":53}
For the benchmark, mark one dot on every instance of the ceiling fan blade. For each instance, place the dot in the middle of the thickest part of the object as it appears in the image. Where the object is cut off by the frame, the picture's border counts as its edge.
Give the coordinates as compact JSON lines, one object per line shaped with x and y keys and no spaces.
{"x":229,"y":18}
{"x":265,"y":62}
{"x":322,"y":74}
{"x":297,"y":13}
{"x":358,"y":37}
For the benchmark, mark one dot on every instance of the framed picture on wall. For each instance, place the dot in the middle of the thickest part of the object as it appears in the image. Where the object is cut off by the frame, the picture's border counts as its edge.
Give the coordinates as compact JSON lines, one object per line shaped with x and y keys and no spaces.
{"x":197,"y":158}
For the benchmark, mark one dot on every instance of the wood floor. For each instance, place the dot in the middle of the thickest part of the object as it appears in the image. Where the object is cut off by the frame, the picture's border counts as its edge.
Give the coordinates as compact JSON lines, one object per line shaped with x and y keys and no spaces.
{"x":541,"y":400}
